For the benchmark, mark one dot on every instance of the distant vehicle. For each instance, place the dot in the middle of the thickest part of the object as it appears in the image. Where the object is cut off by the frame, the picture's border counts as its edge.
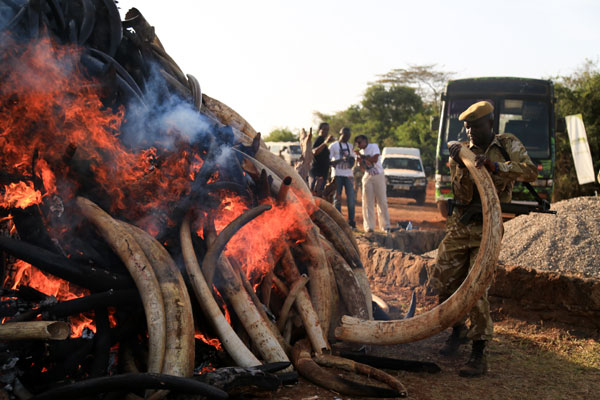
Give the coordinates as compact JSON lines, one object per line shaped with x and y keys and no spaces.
{"x":404,"y":172}
{"x":523,"y":107}
{"x":289,"y":151}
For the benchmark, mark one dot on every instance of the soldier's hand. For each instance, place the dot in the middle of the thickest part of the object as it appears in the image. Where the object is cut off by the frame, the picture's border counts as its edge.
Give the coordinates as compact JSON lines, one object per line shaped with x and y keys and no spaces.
{"x":454,"y":150}
{"x":481,"y":160}
{"x":330,"y":139}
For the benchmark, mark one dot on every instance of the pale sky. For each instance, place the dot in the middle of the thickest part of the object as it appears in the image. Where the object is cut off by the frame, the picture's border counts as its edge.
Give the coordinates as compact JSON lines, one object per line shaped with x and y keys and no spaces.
{"x":276,"y":62}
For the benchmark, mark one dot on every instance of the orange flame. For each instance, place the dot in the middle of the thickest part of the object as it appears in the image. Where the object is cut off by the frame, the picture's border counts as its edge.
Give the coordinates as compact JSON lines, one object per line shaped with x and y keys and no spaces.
{"x":20,"y":195}
{"x":26,"y":274}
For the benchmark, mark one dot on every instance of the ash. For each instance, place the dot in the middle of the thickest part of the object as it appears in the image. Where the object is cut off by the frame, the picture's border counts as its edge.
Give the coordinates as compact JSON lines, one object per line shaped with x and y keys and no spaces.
{"x":568,"y":242}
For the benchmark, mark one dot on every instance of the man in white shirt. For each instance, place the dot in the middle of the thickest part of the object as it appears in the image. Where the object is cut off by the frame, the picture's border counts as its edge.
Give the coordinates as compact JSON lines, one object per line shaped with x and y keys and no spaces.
{"x":373,"y":185}
{"x":341,"y":154}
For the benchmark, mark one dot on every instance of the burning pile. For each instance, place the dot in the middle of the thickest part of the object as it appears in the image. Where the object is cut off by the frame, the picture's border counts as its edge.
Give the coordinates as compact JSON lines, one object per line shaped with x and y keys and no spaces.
{"x":116,"y":173}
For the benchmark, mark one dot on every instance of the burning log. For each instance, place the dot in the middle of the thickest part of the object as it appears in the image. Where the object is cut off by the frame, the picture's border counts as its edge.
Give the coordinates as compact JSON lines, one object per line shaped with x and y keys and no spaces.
{"x":455,"y":307}
{"x":37,"y":330}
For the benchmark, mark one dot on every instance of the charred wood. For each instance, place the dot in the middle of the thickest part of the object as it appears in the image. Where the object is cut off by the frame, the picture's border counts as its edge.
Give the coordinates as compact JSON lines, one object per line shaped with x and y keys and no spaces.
{"x":82,"y":275}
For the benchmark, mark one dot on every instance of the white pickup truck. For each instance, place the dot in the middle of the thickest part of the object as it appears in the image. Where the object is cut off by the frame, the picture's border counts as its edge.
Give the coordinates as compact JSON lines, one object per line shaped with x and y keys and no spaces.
{"x":404,"y":172}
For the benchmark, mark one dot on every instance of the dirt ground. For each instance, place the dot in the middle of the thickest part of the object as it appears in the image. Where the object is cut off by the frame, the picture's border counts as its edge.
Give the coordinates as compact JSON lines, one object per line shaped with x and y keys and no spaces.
{"x":403,"y":210}
{"x":528,"y":359}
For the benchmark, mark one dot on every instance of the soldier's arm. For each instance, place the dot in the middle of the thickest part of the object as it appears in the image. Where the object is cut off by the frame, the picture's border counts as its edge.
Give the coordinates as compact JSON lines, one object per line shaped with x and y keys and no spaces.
{"x":462,"y":183}
{"x":520,"y":165}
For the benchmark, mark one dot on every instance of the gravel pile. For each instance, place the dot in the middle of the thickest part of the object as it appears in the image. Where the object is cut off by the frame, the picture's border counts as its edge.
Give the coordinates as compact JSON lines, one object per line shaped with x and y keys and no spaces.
{"x":566,"y":242}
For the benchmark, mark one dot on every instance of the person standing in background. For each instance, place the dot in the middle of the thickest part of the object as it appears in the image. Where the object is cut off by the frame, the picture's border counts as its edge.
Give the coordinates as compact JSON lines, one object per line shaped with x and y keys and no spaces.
{"x":319,"y":171}
{"x":373,"y":185}
{"x":342,"y":159}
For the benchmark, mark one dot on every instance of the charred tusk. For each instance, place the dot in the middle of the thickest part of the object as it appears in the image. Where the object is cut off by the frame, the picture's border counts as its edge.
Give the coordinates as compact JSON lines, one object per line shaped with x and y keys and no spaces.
{"x":328,"y":360}
{"x":256,"y":327}
{"x":35,"y":330}
{"x":125,"y":246}
{"x":348,"y":285}
{"x":297,"y":286}
{"x":339,"y":219}
{"x":212,"y":255}
{"x":283,"y":190}
{"x":231,"y":341}
{"x":344,"y":246}
{"x":455,"y":307}
{"x":320,"y":278}
{"x":305,"y":308}
{"x":179,"y":352}
{"x":310,"y":370}
{"x":381,"y":303}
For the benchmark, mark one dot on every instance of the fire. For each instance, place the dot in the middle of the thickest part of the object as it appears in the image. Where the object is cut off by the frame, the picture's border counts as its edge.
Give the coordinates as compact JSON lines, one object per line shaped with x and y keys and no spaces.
{"x":20,"y":195}
{"x":26,"y":274}
{"x":216,"y":343}
{"x":54,"y":126}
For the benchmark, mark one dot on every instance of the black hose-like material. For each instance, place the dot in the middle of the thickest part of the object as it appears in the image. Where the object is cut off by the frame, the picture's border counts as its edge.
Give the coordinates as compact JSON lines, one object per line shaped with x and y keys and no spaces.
{"x":131,"y":382}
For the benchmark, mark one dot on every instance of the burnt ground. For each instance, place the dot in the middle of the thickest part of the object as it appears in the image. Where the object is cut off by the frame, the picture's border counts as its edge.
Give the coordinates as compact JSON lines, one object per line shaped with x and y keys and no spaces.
{"x":528,"y":358}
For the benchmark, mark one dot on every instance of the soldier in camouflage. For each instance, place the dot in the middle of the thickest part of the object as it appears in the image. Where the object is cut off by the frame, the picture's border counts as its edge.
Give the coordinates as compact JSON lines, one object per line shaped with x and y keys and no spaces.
{"x":458,"y":250}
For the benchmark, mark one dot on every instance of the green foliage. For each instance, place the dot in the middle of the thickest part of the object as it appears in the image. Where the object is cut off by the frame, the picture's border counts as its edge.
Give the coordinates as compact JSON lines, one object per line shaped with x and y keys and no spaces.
{"x":578,"y":93}
{"x":416,"y":133}
{"x":281,"y":135}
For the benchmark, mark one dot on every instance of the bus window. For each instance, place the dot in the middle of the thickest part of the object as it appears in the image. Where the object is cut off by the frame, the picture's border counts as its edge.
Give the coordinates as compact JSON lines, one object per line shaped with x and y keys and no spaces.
{"x":528,"y":120}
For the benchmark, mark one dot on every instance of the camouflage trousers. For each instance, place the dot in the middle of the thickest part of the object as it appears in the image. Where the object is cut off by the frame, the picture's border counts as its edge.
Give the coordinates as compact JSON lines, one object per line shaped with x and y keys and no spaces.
{"x":456,"y":256}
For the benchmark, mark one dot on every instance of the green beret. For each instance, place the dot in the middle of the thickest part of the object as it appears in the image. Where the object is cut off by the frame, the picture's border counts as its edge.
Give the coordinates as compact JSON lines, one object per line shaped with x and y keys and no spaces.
{"x":476,"y":111}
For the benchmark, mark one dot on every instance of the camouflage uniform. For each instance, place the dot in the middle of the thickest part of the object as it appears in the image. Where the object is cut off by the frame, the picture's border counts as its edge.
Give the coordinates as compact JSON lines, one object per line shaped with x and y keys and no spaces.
{"x":458,"y":250}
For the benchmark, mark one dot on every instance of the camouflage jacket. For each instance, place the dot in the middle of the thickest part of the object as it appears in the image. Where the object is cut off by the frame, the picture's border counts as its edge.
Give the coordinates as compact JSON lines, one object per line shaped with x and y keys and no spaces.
{"x":519,"y":167}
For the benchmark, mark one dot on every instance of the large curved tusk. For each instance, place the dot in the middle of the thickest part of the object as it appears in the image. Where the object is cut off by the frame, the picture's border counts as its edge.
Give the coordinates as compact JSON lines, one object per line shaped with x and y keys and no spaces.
{"x":125,"y":246}
{"x":230,"y":340}
{"x":455,"y":307}
{"x":179,"y":353}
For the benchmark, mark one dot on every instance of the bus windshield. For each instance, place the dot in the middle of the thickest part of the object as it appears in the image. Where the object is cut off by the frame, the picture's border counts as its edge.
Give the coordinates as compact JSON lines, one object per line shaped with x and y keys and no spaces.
{"x":528,"y":120}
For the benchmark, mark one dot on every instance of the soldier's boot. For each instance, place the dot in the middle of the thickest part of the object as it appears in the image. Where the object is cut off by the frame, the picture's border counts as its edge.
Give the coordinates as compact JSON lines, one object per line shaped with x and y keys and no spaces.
{"x":457,"y":338}
{"x":477,"y":364}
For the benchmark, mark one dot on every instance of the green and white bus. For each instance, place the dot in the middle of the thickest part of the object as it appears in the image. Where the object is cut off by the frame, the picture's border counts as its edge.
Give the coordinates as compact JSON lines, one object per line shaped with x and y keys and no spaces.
{"x":523,"y":107}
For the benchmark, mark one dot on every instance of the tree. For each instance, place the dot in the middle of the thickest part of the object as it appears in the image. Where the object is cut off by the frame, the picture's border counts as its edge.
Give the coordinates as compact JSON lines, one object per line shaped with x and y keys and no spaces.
{"x":425,"y":79}
{"x":281,"y":135}
{"x":389,"y":107}
{"x":578,"y":93}
{"x":416,"y":133}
